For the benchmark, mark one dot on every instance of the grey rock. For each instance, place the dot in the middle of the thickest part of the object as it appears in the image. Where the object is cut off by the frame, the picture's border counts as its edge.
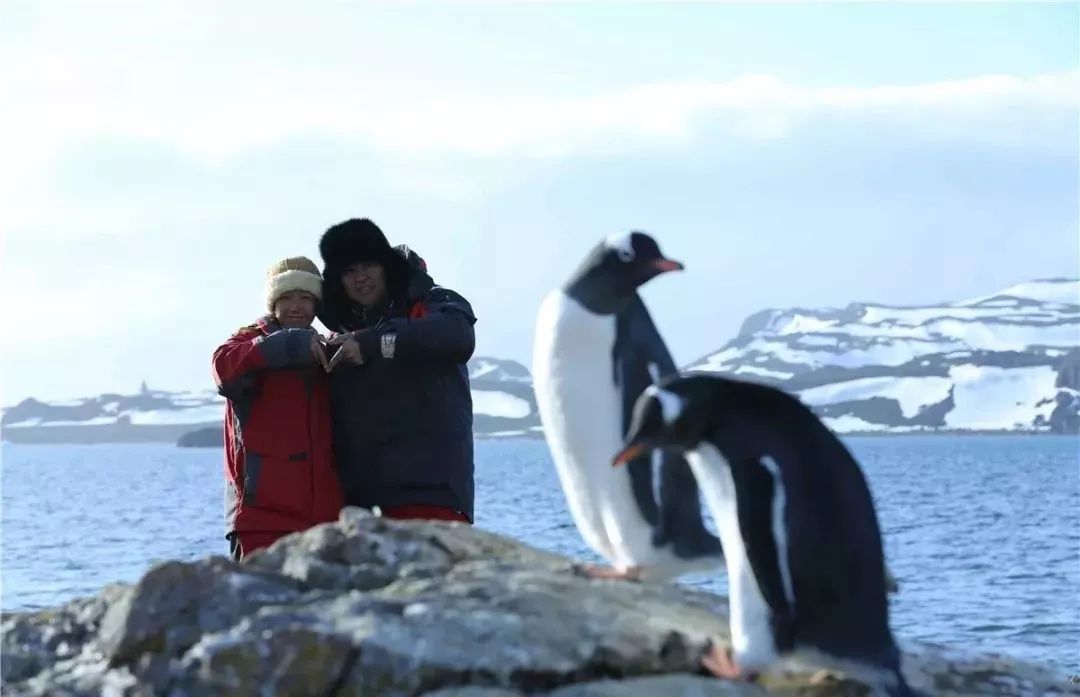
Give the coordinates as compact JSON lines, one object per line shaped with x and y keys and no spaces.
{"x":31,"y":642}
{"x":368,"y":606}
{"x":668,"y":685}
{"x":175,"y":603}
{"x":472,"y":691}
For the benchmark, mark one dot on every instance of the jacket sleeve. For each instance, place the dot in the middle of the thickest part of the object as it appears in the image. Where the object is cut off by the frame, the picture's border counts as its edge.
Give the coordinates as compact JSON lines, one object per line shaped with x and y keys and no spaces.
{"x":444,"y":334}
{"x":237,"y":360}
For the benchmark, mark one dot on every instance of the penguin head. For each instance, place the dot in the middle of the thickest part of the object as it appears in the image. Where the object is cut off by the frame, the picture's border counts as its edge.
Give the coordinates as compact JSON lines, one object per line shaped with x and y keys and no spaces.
{"x":615,"y":269}
{"x":670,"y":415}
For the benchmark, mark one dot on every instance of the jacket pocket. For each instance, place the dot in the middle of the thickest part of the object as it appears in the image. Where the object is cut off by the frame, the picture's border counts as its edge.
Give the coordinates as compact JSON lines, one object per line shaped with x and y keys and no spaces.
{"x":278,"y":484}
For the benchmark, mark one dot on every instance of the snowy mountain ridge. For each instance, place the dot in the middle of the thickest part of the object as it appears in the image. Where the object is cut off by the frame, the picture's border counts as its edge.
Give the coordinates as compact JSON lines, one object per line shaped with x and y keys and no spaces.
{"x":1001,"y":362}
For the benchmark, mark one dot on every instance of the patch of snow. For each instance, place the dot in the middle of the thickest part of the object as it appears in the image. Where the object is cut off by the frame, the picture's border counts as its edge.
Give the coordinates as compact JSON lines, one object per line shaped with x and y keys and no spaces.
{"x":502,"y":404}
{"x":764,"y":372}
{"x":490,"y":370}
{"x":111,"y":407}
{"x":24,"y":424}
{"x":196,"y":402}
{"x":892,"y":353}
{"x":877,"y":316}
{"x":716,"y":361}
{"x":848,"y":423}
{"x":1065,"y":291}
{"x":505,"y":434}
{"x":196,"y":415}
{"x":96,"y":421}
{"x":803,"y":324}
{"x":998,"y":336}
{"x":1000,"y":398}
{"x":1000,"y":302}
{"x":1061,"y":291}
{"x":912,"y":394}
{"x":67,"y":403}
{"x":818,"y":340}
{"x":481,"y":369}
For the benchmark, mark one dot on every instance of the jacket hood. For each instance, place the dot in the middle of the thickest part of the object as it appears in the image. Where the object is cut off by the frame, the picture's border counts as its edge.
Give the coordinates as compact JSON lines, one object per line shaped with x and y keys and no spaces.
{"x":359,"y":239}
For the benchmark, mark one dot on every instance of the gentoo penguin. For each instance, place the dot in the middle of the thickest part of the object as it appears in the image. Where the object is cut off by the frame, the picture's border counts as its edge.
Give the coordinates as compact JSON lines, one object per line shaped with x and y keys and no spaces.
{"x":802,"y":546}
{"x":596,"y":349}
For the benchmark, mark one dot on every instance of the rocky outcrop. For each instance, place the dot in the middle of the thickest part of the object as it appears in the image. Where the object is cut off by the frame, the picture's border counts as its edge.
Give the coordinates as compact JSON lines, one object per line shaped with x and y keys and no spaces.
{"x":210,"y":437}
{"x":368,"y":606}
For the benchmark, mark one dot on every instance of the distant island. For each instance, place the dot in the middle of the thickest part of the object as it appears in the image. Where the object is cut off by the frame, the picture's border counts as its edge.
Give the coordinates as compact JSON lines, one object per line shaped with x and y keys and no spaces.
{"x":1008,"y":362}
{"x":503,"y":407}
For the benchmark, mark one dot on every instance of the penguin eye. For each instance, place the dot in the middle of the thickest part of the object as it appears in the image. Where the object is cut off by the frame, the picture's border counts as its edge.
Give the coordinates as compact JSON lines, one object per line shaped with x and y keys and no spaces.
{"x":625,"y":254}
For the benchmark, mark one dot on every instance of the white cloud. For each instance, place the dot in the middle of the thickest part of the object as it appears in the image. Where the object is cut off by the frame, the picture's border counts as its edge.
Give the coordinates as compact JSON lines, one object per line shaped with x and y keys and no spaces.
{"x":59,"y":96}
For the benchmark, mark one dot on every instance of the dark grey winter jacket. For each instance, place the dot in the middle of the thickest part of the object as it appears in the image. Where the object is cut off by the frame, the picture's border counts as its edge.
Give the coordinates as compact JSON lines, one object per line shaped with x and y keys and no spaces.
{"x":402,"y":426}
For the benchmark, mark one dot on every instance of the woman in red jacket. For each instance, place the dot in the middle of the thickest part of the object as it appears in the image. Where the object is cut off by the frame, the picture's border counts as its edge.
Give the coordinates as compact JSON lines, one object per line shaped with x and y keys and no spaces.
{"x":279,"y":470}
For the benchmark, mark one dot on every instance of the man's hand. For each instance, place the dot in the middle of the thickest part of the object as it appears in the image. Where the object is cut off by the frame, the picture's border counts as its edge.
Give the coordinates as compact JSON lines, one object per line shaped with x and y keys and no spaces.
{"x":317,"y":350}
{"x":349,"y":351}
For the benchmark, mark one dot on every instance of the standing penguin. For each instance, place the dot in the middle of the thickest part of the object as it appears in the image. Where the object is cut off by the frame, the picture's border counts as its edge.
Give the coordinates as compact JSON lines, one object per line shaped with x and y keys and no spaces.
{"x":801,"y":539}
{"x":596,"y":349}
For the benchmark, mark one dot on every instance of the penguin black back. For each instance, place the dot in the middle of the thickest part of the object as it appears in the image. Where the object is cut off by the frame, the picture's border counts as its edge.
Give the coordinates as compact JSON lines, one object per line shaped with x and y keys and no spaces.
{"x":816,"y":555}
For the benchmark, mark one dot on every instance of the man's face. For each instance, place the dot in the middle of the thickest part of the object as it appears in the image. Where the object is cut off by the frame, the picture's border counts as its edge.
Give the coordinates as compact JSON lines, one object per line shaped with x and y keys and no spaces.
{"x":365,"y":282}
{"x":295,"y":309}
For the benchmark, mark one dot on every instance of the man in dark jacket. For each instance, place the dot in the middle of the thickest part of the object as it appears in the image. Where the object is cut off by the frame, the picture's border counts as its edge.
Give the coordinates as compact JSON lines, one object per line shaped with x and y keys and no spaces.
{"x":400,"y":394}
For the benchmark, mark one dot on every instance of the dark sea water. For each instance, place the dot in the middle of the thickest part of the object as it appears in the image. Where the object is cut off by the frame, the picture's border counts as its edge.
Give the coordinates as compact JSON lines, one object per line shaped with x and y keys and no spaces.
{"x":983,"y":532}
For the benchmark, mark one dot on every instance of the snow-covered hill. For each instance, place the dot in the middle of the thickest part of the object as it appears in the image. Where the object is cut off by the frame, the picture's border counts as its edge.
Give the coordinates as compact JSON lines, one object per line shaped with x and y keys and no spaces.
{"x":1009,"y":361}
{"x":503,"y":405}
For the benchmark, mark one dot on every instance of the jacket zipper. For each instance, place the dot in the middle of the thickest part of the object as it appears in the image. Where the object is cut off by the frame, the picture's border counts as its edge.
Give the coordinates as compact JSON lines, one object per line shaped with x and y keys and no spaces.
{"x":311,"y":452}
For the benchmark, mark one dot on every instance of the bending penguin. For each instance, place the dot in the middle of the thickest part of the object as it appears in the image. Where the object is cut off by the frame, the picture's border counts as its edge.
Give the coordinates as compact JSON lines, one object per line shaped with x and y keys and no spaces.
{"x":596,"y":349}
{"x":802,"y":545}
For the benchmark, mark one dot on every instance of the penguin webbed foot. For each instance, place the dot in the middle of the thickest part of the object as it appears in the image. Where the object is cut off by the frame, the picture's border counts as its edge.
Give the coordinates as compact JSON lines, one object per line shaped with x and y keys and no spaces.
{"x":610,"y":573}
{"x":719,"y":661}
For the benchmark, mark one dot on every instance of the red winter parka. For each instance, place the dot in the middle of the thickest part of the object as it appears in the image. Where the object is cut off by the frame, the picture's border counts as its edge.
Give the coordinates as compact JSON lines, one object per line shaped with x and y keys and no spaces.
{"x":279,"y":469}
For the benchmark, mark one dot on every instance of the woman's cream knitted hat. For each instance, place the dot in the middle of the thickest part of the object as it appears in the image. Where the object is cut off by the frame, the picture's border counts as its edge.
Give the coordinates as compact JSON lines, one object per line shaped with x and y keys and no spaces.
{"x":294,"y":273}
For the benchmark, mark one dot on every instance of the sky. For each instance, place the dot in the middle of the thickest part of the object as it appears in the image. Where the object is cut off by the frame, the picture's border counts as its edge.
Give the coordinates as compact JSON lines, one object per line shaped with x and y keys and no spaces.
{"x":158,"y":157}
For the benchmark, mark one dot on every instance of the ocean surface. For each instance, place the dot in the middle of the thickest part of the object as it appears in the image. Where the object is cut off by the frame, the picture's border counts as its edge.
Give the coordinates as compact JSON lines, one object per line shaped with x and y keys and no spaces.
{"x":983,"y":532}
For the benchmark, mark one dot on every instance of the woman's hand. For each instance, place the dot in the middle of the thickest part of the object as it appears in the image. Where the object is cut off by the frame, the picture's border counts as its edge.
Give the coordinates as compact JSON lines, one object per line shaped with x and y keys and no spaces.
{"x":317,"y":350}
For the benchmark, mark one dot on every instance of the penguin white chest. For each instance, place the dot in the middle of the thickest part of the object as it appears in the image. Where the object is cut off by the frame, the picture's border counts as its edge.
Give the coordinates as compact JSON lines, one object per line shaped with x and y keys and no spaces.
{"x":581,"y":411}
{"x":751,"y":633}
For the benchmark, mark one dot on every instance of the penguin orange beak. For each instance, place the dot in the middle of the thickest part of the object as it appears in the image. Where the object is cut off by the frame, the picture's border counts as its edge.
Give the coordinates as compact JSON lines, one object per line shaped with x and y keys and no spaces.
{"x":663,"y":265}
{"x":632,"y":452}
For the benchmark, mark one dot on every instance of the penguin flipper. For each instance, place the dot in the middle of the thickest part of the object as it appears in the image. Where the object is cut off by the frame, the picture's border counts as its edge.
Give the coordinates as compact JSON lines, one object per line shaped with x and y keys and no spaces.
{"x":680,"y":522}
